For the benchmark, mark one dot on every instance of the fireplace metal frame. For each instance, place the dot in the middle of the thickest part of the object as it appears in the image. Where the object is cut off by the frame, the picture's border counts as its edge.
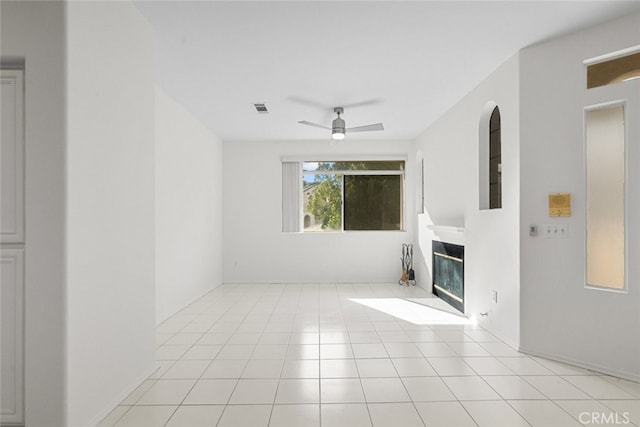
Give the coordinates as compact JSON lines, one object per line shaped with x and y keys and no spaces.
{"x":454,"y":253}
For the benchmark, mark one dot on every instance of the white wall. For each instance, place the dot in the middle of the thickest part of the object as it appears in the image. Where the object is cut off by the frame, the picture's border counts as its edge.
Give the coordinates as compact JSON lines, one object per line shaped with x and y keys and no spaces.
{"x":255,"y":248}
{"x":33,"y":33}
{"x":188,"y":173}
{"x":110,"y":202}
{"x":560,"y":317}
{"x":450,"y":151}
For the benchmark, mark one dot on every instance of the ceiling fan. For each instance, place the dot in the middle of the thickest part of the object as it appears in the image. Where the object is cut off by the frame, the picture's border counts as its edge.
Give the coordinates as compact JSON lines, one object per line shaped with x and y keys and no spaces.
{"x":338,"y":127}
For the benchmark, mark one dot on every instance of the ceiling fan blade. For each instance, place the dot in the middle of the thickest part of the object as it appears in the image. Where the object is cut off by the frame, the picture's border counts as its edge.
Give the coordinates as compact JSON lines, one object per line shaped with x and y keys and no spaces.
{"x":304,"y":122}
{"x":366,"y":128}
{"x":308,"y":102}
{"x":364,"y":103}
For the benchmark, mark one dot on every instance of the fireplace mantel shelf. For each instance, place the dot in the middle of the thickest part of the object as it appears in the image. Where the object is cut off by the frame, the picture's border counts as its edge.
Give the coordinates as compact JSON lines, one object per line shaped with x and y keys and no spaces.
{"x":446,"y":228}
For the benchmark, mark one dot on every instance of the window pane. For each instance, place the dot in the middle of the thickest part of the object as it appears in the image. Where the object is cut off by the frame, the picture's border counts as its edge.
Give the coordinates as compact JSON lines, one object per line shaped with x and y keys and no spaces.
{"x":373,"y":202}
{"x":495,"y":161}
{"x":322,"y":202}
{"x":613,"y":71}
{"x":605,"y":197}
{"x":314,"y":166}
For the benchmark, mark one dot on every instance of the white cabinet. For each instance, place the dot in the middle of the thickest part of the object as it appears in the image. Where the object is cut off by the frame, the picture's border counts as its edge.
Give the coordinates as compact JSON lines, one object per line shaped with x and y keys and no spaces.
{"x":12,"y":158}
{"x":11,"y":327}
{"x":12,"y":249}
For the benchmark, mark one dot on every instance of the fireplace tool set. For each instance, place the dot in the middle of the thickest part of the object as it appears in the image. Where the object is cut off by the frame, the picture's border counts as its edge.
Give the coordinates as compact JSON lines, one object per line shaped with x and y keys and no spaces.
{"x":408,"y":276}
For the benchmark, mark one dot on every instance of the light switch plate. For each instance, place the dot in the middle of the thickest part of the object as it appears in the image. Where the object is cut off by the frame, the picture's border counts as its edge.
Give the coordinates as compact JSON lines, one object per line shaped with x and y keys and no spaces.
{"x":555,"y":230}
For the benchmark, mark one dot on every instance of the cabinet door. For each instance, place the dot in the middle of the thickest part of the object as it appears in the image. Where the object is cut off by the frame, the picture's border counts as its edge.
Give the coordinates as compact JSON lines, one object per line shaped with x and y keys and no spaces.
{"x":12,"y":157}
{"x":12,"y":336}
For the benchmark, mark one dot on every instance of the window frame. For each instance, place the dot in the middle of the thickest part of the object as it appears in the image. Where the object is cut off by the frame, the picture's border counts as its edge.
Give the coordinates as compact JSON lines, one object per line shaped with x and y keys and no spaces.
{"x":321,"y":159}
{"x":495,"y":142}
{"x":590,"y":65}
{"x":625,"y":195}
{"x":484,"y":157}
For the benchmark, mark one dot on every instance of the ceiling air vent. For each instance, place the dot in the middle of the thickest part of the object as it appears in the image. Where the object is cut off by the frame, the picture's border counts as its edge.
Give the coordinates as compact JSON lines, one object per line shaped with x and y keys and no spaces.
{"x":261,"y":108}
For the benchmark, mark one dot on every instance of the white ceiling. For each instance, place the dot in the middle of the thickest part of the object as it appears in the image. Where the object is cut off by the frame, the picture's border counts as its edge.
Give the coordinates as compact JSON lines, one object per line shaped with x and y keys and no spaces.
{"x":404,"y":63}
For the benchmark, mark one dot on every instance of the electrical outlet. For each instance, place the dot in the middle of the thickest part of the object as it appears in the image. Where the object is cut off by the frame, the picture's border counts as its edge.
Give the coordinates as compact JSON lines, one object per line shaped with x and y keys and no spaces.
{"x":494,"y":296}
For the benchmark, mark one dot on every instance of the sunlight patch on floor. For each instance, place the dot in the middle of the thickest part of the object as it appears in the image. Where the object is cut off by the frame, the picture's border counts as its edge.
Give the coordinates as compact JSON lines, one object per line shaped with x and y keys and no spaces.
{"x":412,"y":312}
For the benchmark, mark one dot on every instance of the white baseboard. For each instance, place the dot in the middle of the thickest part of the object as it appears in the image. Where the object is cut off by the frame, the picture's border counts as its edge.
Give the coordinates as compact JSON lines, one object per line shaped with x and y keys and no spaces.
{"x":302,"y":282}
{"x":487,"y":327}
{"x":585,"y":365}
{"x":159,"y":321}
{"x":123,"y":395}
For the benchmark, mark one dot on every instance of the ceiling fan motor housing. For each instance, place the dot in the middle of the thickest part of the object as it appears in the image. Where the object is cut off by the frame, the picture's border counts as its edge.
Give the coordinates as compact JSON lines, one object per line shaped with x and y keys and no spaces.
{"x":338,"y":126}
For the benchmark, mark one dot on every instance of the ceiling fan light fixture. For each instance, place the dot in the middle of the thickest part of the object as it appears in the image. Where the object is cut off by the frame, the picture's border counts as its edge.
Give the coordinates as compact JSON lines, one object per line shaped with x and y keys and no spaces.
{"x":338,"y":127}
{"x":337,"y":134}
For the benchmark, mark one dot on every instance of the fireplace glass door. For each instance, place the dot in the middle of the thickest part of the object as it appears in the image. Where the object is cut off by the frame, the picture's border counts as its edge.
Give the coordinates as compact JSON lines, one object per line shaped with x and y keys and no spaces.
{"x":448,"y":273}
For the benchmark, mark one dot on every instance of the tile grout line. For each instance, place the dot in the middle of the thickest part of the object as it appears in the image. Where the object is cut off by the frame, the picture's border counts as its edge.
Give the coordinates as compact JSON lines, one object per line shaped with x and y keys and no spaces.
{"x":232,"y":306}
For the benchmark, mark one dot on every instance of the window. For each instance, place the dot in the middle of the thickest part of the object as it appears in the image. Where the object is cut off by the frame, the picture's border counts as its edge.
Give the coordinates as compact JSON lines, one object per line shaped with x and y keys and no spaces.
{"x":616,"y":70}
{"x":605,"y":181}
{"x":352,"y":195}
{"x":495,"y":161}
{"x":490,"y":158}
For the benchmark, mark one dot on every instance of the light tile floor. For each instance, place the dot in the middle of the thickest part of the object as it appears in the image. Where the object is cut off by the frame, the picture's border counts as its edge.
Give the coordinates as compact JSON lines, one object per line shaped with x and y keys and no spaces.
{"x":309,"y":355}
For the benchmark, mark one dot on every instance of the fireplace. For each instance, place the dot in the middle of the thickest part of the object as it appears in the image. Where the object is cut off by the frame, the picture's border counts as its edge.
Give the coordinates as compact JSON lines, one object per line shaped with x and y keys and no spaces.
{"x":448,"y":273}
